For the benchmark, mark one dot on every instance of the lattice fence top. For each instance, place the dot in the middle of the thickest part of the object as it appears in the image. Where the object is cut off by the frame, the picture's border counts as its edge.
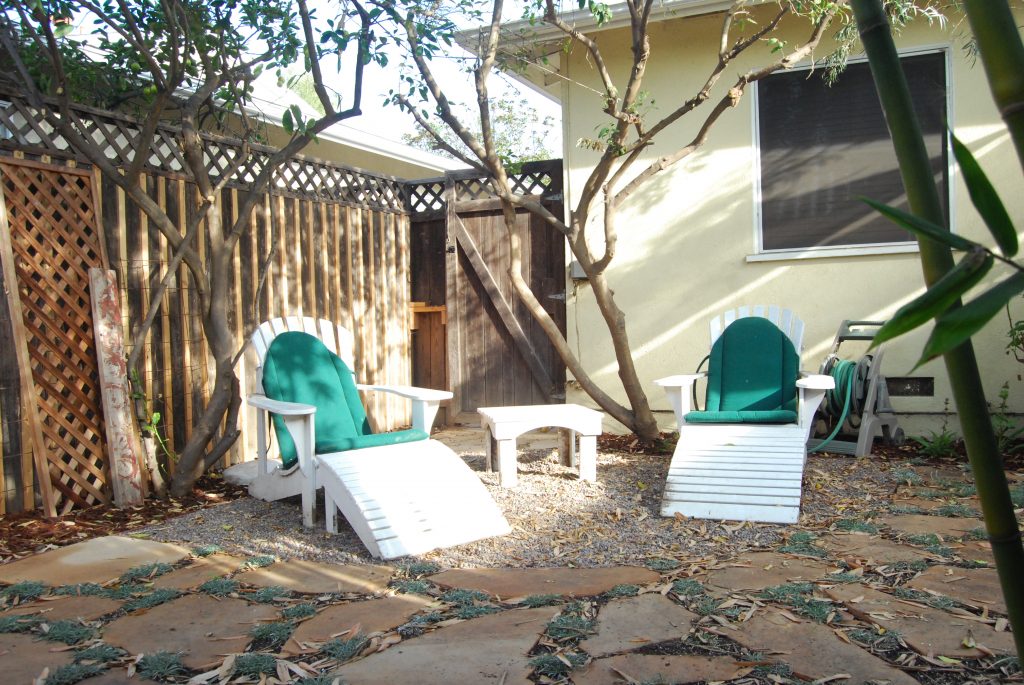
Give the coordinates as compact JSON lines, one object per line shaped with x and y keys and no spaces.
{"x":29,"y":130}
{"x":543,"y":179}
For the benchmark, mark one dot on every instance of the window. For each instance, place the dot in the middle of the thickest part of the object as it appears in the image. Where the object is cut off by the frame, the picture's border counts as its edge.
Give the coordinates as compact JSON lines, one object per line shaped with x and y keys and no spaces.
{"x":823,"y":147}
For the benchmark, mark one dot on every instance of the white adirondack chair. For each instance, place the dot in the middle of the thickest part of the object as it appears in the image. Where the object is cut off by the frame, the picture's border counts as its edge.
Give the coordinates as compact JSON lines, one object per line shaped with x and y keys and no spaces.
{"x":404,"y":498}
{"x":735,"y":470}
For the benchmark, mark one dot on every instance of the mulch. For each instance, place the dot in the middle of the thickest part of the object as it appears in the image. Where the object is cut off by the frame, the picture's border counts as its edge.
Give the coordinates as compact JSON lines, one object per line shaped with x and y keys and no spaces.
{"x":27,"y":532}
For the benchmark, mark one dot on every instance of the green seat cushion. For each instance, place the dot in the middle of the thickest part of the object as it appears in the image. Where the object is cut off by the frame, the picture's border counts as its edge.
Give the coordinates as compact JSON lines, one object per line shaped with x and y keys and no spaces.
{"x":755,"y":416}
{"x":299,"y":368}
{"x":752,"y":374}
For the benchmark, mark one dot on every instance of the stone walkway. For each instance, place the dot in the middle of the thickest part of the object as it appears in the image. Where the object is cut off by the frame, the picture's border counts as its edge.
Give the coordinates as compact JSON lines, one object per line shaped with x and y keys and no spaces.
{"x":900,"y":599}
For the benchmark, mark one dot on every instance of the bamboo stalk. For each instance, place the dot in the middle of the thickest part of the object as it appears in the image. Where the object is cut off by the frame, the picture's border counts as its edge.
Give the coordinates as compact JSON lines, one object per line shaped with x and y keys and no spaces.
{"x":1002,"y":53}
{"x":936,"y":260}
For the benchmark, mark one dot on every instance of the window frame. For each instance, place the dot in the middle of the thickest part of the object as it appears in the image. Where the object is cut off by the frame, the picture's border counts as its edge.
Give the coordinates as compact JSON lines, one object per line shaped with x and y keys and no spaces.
{"x":760,"y":254}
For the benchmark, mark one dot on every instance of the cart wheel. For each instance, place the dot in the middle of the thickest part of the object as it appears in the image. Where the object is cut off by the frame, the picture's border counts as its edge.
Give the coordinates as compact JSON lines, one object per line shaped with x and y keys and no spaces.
{"x":896,"y":438}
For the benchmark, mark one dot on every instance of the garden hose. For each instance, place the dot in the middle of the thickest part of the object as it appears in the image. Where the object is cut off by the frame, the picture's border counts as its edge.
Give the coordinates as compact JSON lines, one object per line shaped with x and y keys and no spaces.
{"x":848,"y":395}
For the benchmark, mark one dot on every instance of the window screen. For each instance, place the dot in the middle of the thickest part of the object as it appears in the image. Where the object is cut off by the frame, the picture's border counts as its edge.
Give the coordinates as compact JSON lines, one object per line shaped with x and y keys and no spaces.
{"x":823,"y":147}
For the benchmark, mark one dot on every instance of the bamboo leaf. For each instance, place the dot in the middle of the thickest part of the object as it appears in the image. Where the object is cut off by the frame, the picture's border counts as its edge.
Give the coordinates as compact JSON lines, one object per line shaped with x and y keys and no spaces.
{"x":922,"y":227}
{"x":986,"y":200}
{"x":937,"y":299}
{"x":955,"y":327}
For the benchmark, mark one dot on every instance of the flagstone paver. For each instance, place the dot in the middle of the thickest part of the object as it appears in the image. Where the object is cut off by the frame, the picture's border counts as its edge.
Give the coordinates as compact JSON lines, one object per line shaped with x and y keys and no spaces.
{"x":93,"y":561}
{"x":364,"y":617}
{"x":508,"y":583}
{"x":315,"y":578}
{"x":627,"y":624}
{"x":975,"y":586}
{"x":490,"y":649}
{"x":652,"y":668}
{"x":85,"y":608}
{"x":23,"y":658}
{"x":199,"y":571}
{"x":113,"y":676}
{"x":813,"y":651}
{"x":200,"y":627}
{"x":926,"y":630}
{"x":870,"y":548}
{"x":759,"y":570}
{"x":921,"y":524}
{"x":974,"y":550}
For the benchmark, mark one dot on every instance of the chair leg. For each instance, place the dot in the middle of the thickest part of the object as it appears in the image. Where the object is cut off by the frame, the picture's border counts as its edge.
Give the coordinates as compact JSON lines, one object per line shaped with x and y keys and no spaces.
{"x":330,"y":513}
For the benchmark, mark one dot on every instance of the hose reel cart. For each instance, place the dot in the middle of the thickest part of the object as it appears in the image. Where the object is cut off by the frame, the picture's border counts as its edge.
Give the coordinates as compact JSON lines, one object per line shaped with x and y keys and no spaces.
{"x":858,"y":409}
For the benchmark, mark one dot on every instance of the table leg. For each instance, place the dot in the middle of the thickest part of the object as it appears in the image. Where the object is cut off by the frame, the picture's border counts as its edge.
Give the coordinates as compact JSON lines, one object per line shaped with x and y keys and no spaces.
{"x":488,"y":449}
{"x":588,"y":457}
{"x":507,"y":475}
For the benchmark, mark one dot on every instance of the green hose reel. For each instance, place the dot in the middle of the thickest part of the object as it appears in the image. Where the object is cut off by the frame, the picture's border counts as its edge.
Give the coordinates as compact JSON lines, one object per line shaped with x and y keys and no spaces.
{"x":858,"y":409}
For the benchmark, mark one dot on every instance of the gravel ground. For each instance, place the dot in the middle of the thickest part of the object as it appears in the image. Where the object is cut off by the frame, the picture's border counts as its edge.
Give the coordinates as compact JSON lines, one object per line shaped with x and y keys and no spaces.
{"x":557,"y":519}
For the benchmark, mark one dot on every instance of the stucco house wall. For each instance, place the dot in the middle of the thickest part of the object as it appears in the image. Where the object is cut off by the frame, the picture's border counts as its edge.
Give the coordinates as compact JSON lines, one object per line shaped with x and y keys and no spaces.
{"x":687,"y":246}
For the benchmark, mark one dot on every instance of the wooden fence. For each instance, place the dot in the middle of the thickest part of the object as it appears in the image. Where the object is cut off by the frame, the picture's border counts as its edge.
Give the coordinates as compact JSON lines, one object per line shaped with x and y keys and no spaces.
{"x":334,"y":241}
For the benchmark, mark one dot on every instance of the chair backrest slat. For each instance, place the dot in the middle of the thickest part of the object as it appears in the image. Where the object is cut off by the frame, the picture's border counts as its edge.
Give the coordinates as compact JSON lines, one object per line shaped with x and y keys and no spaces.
{"x":335,"y":338}
{"x":788,"y":322}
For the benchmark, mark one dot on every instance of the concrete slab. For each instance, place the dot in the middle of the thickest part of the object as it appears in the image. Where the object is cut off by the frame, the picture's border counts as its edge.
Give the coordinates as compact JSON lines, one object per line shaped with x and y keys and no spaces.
{"x":870,"y":549}
{"x":813,"y":651}
{"x":509,"y":583}
{"x":921,"y":524}
{"x":199,"y":571}
{"x":369,"y":616}
{"x":928,"y":631}
{"x":758,"y":570}
{"x":627,"y":624}
{"x":23,"y":658}
{"x":93,"y":561}
{"x":490,"y":649}
{"x":975,"y":586}
{"x":651,"y":668}
{"x":85,"y":608}
{"x":202,"y":628}
{"x":315,"y":578}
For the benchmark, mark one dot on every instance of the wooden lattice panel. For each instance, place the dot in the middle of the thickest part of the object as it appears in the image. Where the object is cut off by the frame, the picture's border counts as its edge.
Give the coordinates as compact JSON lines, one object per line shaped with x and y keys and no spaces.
{"x":29,"y":129}
{"x":54,"y":241}
{"x":542,"y":179}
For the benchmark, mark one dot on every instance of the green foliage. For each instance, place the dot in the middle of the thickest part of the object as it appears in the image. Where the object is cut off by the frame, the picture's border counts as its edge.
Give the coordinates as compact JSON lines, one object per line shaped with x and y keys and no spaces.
{"x":430,"y":617}
{"x":464,"y":597}
{"x":957,"y":510}
{"x":206,"y":550}
{"x":534,"y":601}
{"x":802,"y":543}
{"x":18,"y":624}
{"x":255,"y":664}
{"x":471,"y":611}
{"x":936,"y":601}
{"x":100,"y":653}
{"x":882,"y":640}
{"x":569,"y":627}
{"x":343,"y":650}
{"x":268,"y":595}
{"x":145,"y":572}
{"x":905,"y":509}
{"x":297,"y":611}
{"x":258,"y":561}
{"x":1008,"y":431}
{"x":907,"y":476}
{"x":924,"y":539}
{"x":937,"y":444}
{"x":161,"y":665}
{"x":420,"y":568}
{"x":412,"y":587}
{"x":25,"y":591}
{"x":687,"y":587}
{"x":856,"y":526}
{"x":155,"y":598}
{"x":69,"y":674}
{"x":957,"y":325}
{"x":552,"y":666}
{"x":82,"y":589}
{"x":272,"y":634}
{"x":842,"y":577}
{"x":784,"y":593}
{"x":219,"y":587}
{"x":68,"y":632}
{"x":623,"y":590}
{"x":662,"y":565}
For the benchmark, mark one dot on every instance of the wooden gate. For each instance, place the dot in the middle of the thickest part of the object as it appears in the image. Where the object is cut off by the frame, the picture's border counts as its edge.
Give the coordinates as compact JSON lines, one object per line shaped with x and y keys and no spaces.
{"x":495,"y":353}
{"x":50,"y":237}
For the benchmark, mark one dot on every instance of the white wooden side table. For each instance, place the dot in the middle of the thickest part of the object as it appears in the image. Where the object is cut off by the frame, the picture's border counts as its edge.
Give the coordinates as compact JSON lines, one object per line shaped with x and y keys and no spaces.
{"x":503,"y":425}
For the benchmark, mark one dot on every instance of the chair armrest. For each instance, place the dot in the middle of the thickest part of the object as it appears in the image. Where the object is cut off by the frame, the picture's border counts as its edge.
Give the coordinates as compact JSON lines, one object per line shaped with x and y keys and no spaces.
{"x":425,"y":402}
{"x":280,"y":408}
{"x":677,"y":390}
{"x":410,"y":392}
{"x":816,"y":382}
